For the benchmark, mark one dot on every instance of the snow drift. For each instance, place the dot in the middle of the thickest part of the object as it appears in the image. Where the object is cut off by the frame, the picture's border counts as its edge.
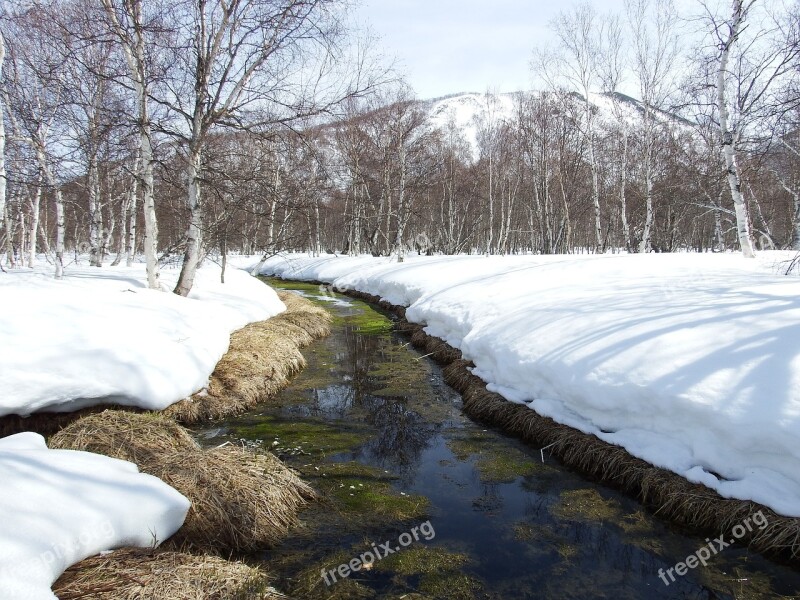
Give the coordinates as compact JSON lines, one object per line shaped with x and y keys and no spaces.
{"x":100,"y":336}
{"x":689,"y":361}
{"x":61,"y":506}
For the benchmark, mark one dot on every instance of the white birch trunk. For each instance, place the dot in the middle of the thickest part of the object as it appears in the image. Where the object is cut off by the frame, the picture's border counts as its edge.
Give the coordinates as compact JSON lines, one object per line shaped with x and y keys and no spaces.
{"x":135,"y":56}
{"x":191,"y":256}
{"x":132,"y":213}
{"x":728,"y":138}
{"x":593,"y":166}
{"x":61,"y":230}
{"x":401,"y":202}
{"x":95,"y":214}
{"x":2,"y":145}
{"x":795,"y":244}
{"x":623,"y":202}
{"x":34,"y":234}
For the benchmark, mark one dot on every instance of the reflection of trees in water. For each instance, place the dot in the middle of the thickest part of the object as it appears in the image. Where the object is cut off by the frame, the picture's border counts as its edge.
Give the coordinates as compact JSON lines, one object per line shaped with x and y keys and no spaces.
{"x":402,"y":434}
{"x":490,"y":500}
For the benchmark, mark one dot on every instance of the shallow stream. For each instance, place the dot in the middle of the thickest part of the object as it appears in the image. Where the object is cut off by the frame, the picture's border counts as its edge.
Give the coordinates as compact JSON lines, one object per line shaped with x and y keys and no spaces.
{"x":371,"y":424}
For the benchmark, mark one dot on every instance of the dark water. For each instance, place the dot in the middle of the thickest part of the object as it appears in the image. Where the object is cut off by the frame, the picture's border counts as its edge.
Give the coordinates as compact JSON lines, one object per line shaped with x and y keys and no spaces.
{"x":371,"y":424}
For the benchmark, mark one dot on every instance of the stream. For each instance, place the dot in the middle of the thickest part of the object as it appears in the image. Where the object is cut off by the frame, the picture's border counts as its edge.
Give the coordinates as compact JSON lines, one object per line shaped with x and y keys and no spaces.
{"x":372,"y":426}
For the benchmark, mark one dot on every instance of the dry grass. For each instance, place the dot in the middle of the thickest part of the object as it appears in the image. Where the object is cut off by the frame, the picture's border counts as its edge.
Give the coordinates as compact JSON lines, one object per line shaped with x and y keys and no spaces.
{"x":242,"y":500}
{"x":261,"y":359}
{"x":672,"y":496}
{"x":137,"y":574}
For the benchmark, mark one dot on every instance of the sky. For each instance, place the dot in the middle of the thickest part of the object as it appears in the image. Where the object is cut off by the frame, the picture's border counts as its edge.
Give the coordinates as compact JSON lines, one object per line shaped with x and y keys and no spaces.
{"x":449,"y":46}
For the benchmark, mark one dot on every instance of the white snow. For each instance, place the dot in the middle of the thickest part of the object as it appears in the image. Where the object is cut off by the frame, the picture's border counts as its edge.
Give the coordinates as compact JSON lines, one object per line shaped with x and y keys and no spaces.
{"x":464,"y":111}
{"x":61,"y":506}
{"x":689,"y":361}
{"x":99,"y":335}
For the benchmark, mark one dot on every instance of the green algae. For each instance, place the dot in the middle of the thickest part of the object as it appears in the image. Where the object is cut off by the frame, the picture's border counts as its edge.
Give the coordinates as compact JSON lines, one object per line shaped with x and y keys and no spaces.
{"x":365,"y":319}
{"x":422,"y":560}
{"x":450,"y":586}
{"x":492,"y":464}
{"x":367,"y":492}
{"x":437,"y":570}
{"x":315,"y":438}
{"x":585,"y":504}
{"x":309,"y":583}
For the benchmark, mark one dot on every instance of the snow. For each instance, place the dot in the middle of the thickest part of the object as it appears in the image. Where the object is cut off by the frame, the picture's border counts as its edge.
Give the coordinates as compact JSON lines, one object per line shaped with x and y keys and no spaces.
{"x":689,"y":361}
{"x":100,"y":336}
{"x":61,"y":506}
{"x":464,"y":111}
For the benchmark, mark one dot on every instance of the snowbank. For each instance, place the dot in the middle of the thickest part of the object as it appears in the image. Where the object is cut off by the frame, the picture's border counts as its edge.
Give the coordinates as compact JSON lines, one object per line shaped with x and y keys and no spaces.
{"x":689,"y":361}
{"x":100,"y":336}
{"x":61,"y":506}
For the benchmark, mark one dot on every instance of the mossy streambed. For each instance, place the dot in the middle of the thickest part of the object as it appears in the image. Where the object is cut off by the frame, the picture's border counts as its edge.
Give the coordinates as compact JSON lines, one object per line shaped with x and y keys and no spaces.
{"x":371,"y":425}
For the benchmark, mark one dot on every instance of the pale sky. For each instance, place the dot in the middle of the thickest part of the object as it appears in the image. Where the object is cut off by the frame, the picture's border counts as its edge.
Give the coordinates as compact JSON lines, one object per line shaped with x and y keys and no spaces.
{"x":448,"y":46}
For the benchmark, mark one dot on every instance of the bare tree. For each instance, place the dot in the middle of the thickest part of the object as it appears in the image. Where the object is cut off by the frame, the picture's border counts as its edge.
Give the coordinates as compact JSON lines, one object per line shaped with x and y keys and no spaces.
{"x":655,"y":51}
{"x":748,"y":65}
{"x":128,"y":24}
{"x":247,"y":64}
{"x":2,"y":145}
{"x":577,"y":63}
{"x":34,"y":93}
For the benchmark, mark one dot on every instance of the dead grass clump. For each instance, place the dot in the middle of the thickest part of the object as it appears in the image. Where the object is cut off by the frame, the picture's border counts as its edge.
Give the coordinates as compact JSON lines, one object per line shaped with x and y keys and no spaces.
{"x":242,"y":500}
{"x":135,"y":574}
{"x":142,"y":438}
{"x":305,"y":314}
{"x":261,"y":359}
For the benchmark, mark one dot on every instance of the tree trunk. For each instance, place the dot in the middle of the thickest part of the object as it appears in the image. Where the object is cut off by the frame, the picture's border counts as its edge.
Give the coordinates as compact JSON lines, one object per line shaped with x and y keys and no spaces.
{"x":61,"y":230}
{"x":34,"y":234}
{"x":191,"y":256}
{"x":729,"y":139}
{"x":598,"y":227}
{"x":4,"y":221}
{"x":401,"y":203}
{"x":95,"y":213}
{"x":645,"y":245}
{"x":135,"y":56}
{"x":623,"y":184}
{"x":795,"y":244}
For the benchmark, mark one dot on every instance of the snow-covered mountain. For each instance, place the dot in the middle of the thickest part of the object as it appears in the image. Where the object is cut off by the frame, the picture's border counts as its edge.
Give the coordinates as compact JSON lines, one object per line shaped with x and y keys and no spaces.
{"x":466,"y":110}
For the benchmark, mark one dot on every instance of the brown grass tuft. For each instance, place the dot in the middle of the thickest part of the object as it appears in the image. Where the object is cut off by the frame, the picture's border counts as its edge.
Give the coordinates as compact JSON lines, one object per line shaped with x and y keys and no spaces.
{"x":242,"y":500}
{"x":261,"y":359}
{"x":135,"y":574}
{"x":142,"y":438}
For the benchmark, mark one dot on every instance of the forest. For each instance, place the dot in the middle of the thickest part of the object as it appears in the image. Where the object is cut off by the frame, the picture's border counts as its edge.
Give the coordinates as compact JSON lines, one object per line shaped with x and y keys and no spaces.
{"x":177,"y":131}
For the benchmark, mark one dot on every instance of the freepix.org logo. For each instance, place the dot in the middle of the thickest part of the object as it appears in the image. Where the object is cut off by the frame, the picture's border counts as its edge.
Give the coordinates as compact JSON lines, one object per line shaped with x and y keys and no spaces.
{"x":378,"y":552}
{"x":703,"y":554}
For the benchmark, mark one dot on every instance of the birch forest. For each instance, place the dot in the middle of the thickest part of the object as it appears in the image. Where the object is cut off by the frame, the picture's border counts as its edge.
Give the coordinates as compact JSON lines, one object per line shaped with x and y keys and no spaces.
{"x":170,"y":131}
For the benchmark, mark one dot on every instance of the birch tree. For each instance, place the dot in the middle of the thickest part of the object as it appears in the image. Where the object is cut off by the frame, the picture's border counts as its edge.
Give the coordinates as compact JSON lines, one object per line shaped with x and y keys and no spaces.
{"x":2,"y":145}
{"x":34,"y":96}
{"x":577,"y":63}
{"x":749,"y":62}
{"x":655,"y":50}
{"x":127,"y":21}
{"x":247,"y":64}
